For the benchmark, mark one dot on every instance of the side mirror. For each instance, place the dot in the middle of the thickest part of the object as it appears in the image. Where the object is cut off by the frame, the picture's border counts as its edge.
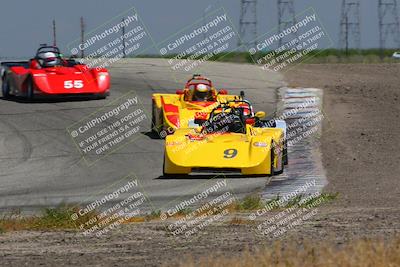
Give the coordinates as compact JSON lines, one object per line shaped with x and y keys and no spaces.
{"x":179,"y":92}
{"x":260,"y":115}
{"x":242,"y":94}
{"x":223,"y":92}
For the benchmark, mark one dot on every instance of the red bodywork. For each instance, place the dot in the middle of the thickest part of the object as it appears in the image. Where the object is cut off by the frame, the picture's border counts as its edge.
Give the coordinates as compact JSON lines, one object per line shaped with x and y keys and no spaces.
{"x":60,"y":80}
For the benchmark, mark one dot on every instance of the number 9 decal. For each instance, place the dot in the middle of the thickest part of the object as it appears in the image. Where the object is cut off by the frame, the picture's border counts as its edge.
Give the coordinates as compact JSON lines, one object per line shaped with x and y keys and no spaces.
{"x":230,"y":153}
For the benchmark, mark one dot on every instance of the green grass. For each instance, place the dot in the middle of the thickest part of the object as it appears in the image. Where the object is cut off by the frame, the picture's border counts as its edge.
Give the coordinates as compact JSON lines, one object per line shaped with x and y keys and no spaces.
{"x":49,"y":219}
{"x":60,"y":218}
{"x":251,"y":202}
{"x":254,"y":202}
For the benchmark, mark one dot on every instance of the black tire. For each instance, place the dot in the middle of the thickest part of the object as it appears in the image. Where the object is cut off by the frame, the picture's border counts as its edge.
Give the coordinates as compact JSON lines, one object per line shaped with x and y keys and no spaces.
{"x":285,"y":154}
{"x":153,"y":118}
{"x":30,"y":95}
{"x":163,"y":168}
{"x":273,"y":163}
{"x":102,"y":96}
{"x":282,"y":168}
{"x":5,"y":87}
{"x":272,"y":160}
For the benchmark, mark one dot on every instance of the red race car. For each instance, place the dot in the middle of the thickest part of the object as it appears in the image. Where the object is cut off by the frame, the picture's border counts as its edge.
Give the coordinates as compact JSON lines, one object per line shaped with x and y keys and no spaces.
{"x":50,"y":74}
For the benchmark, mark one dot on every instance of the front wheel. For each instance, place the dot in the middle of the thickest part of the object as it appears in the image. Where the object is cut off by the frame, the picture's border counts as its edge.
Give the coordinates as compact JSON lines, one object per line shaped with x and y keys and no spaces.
{"x":30,"y":95}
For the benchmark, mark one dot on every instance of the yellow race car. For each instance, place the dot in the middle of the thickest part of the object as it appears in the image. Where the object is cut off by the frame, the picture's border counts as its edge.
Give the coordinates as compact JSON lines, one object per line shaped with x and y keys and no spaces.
{"x":232,"y":139}
{"x":174,"y":111}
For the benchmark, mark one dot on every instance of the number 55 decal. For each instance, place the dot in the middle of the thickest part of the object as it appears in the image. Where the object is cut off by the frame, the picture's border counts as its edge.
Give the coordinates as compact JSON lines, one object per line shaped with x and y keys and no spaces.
{"x":73,"y":84}
{"x":230,"y":153}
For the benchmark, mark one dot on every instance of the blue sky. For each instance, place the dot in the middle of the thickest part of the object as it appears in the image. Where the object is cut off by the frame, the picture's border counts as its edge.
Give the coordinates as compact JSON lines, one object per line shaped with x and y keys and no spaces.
{"x":27,"y":23}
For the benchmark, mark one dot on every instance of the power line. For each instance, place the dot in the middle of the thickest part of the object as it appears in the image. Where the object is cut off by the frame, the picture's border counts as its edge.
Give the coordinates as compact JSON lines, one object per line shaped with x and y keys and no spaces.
{"x":123,"y":38}
{"x":54,"y":33}
{"x":388,"y":23}
{"x":248,"y":23}
{"x":286,"y":17}
{"x":350,"y":24}
{"x":82,"y":38}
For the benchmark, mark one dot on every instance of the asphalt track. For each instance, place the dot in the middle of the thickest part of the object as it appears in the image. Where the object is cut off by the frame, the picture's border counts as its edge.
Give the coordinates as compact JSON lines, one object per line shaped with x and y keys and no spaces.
{"x":40,"y":166}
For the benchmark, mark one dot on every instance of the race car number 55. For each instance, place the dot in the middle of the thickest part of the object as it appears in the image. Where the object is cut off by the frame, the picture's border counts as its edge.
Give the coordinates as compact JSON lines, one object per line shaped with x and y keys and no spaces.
{"x":73,"y":84}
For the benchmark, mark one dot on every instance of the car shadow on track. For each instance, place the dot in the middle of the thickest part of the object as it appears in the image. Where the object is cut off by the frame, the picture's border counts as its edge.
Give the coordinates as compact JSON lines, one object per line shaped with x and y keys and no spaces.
{"x":152,"y":135}
{"x":209,"y":176}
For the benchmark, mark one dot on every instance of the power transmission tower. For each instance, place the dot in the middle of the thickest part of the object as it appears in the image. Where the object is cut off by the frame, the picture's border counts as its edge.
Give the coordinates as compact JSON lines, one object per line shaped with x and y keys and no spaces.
{"x":82,"y":37}
{"x":350,"y":25}
{"x":248,"y":23}
{"x":123,"y":38}
{"x":388,"y":23}
{"x":286,"y":17}
{"x":54,"y":33}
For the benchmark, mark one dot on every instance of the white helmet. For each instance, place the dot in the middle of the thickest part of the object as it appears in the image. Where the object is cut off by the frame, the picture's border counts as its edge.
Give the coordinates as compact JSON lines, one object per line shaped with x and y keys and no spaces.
{"x":49,"y":59}
{"x":202,"y":88}
{"x":201,"y":93}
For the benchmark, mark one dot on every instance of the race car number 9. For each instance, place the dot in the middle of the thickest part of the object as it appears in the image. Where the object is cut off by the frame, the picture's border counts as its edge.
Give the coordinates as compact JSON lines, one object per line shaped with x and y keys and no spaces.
{"x":230,"y":153}
{"x":73,"y":84}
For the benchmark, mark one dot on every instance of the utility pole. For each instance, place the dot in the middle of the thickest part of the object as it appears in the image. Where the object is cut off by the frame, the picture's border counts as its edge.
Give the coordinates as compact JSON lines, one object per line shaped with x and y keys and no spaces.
{"x":350,"y":25}
{"x":286,"y":17}
{"x":54,"y":33}
{"x":123,"y":38}
{"x":388,"y":24}
{"x":248,"y":23}
{"x":347,"y":35}
{"x":82,"y":37}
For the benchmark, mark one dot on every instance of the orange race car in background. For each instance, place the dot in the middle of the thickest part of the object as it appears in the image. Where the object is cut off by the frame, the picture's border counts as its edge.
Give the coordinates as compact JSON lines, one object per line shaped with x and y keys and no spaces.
{"x":187,"y":107}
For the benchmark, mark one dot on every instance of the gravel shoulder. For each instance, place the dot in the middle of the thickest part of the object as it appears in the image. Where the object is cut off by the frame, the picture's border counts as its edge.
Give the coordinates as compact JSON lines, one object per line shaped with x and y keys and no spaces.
{"x":361,"y":131}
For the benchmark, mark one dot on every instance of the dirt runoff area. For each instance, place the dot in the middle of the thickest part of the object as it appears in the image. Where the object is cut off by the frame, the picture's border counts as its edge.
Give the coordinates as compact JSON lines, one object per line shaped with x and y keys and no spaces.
{"x":360,"y":145}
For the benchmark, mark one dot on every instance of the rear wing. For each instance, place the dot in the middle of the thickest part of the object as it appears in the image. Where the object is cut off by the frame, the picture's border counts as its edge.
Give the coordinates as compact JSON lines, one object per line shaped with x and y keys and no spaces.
{"x":4,"y":66}
{"x":9,"y":64}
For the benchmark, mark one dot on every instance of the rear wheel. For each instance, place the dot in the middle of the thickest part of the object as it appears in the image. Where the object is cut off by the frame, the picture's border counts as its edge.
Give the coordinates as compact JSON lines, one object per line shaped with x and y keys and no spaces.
{"x":157,"y":125}
{"x":281,"y":169}
{"x":272,"y":161}
{"x":5,"y":87}
{"x":153,"y":118}
{"x":280,"y":161}
{"x":285,"y":154}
